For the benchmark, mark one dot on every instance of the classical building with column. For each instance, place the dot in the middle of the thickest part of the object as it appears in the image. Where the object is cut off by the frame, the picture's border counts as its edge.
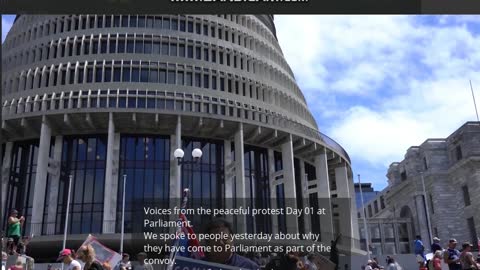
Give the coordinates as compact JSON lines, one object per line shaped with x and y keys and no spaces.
{"x":448,"y":170}
{"x":102,"y":96}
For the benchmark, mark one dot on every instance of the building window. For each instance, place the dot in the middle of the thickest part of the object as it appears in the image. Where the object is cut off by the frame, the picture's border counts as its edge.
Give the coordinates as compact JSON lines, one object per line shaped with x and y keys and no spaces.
{"x":282,"y":219}
{"x":466,"y":195}
{"x":85,"y":159}
{"x":458,"y":150}
{"x":403,"y":176}
{"x":21,"y":181}
{"x":425,"y":166}
{"x":258,"y":191}
{"x":382,"y":202}
{"x":370,"y":214}
{"x":145,"y":162}
{"x":375,"y":205}
{"x":206,"y":180}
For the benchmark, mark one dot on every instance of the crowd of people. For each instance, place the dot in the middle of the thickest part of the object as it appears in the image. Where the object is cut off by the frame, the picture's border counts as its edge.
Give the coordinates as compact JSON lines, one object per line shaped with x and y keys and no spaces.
{"x":454,"y":258}
{"x":86,"y":254}
{"x":450,"y":256}
{"x":374,"y":264}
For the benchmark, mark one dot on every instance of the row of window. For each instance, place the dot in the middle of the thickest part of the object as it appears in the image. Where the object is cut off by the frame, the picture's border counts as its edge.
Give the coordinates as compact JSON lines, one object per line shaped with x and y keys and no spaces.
{"x":132,"y":100}
{"x":175,"y":23}
{"x":153,"y":45}
{"x":152,"y":100}
{"x":154,"y":72}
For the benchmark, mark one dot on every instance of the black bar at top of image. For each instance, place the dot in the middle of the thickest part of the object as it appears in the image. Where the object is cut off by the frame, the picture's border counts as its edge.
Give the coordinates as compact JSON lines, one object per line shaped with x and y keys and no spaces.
{"x":450,"y":6}
{"x":211,"y":6}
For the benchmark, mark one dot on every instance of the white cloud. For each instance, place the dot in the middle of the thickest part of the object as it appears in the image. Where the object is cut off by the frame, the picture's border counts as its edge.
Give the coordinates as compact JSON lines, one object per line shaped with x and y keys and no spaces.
{"x":384,"y":83}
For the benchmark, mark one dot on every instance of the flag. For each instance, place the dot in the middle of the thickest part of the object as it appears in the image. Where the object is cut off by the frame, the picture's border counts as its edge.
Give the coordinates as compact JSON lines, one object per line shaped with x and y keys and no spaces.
{"x":186,"y":240}
{"x":102,"y":253}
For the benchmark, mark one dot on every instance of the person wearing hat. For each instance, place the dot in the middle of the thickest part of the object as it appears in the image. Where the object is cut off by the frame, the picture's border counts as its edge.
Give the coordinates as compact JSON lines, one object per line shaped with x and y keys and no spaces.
{"x":466,"y":257}
{"x":65,"y":256}
{"x":13,"y":229}
{"x":436,"y":245}
{"x":452,"y":256}
{"x":141,"y":257}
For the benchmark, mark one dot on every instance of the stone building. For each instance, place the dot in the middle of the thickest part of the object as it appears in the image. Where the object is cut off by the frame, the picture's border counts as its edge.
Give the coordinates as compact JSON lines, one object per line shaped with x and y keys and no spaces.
{"x":102,"y":96}
{"x":449,"y":170}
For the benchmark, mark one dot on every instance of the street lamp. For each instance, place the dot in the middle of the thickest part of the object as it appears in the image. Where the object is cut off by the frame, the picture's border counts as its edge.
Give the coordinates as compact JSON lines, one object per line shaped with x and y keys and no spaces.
{"x":179,"y":154}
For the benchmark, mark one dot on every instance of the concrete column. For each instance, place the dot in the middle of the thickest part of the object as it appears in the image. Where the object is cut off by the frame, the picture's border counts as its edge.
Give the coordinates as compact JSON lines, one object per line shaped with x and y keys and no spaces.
{"x":353,"y":213}
{"x":323,"y":191}
{"x":289,"y":180}
{"x":273,"y":188}
{"x":228,"y":176}
{"x":240,"y":191}
{"x":421,"y":217}
{"x":41,"y":178}
{"x":55,"y":166}
{"x":111,"y":179}
{"x":306,"y":202}
{"x":175,"y":177}
{"x":344,"y":205}
{"x":6,"y":174}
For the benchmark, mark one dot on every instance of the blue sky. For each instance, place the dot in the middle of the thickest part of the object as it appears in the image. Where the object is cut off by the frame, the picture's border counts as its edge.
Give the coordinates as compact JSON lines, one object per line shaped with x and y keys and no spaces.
{"x":380,"y":84}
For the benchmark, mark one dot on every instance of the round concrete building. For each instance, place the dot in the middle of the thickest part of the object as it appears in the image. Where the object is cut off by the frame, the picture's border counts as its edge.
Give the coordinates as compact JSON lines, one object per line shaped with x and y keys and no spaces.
{"x":98,"y":97}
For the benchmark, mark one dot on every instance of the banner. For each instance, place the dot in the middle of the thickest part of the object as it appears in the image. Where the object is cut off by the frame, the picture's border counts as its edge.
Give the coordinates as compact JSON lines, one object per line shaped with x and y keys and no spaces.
{"x":102,"y":253}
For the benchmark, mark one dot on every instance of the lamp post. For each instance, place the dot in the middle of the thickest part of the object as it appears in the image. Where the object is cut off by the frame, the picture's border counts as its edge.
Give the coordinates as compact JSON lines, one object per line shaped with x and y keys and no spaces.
{"x":179,"y":154}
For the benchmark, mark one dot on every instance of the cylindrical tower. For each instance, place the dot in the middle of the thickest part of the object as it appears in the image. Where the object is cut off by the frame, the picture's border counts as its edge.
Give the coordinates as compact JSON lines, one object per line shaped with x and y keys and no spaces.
{"x":102,"y":96}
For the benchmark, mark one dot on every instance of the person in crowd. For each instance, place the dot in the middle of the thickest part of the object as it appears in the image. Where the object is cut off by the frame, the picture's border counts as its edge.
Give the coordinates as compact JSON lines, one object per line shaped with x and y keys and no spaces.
{"x":66,"y":256}
{"x":282,"y":262}
{"x":4,"y":260}
{"x":49,"y":266}
{"x":296,"y":257}
{"x":87,"y":255}
{"x":452,"y":256}
{"x":391,"y":265}
{"x":419,"y":247}
{"x":125,"y":263}
{"x":437,"y":260}
{"x":436,"y":245}
{"x":258,"y":258}
{"x":226,"y":256}
{"x":369,"y":265}
{"x":18,"y":265}
{"x":375,"y":263}
{"x":141,"y":265}
{"x":310,"y":262}
{"x":466,"y":257}
{"x":106,"y":266}
{"x":14,"y":230}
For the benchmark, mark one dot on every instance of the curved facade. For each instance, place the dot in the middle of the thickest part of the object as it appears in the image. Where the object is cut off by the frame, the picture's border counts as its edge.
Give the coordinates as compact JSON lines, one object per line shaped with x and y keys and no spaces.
{"x":102,"y":96}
